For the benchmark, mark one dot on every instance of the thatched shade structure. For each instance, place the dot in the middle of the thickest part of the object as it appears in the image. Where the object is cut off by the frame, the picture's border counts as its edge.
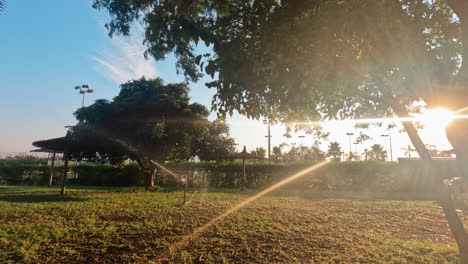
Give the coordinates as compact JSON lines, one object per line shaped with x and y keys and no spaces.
{"x":244,"y":155}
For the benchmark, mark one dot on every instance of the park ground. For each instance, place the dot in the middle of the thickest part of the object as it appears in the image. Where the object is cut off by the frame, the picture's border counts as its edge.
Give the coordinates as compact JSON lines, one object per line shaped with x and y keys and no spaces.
{"x":131,"y":225}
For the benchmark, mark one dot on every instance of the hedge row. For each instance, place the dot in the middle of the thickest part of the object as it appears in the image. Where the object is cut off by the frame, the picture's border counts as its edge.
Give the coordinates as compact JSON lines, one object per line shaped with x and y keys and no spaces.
{"x":85,"y":174}
{"x":335,"y":176}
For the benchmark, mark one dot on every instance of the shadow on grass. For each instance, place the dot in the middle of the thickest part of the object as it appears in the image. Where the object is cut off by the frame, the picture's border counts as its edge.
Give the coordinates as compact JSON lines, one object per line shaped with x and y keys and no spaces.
{"x":33,"y":198}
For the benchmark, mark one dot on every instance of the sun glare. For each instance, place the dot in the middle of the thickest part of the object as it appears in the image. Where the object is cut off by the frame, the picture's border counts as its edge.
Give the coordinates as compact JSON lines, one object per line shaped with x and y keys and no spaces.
{"x":438,"y":116}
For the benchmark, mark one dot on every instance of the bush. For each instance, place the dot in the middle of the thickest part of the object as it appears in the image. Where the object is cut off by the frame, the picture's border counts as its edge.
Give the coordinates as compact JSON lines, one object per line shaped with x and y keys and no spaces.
{"x":336,"y":176}
{"x":108,"y":175}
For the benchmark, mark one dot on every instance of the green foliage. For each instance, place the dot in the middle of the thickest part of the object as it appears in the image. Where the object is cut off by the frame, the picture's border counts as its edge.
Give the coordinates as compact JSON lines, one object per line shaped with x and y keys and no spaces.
{"x":29,"y":172}
{"x":152,"y":120}
{"x":260,"y":153}
{"x":22,"y":161}
{"x":377,"y":152}
{"x":107,"y":175}
{"x":303,"y":59}
{"x":372,"y":176}
{"x":334,"y":151}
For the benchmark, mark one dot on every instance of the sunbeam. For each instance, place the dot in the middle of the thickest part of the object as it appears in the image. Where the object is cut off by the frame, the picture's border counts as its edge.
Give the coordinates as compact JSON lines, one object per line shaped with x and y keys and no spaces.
{"x":197,"y":232}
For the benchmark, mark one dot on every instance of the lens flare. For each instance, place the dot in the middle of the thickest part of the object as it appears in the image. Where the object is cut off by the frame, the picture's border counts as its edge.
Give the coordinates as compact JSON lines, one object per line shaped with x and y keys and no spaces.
{"x":197,"y":232}
{"x":437,"y":116}
{"x":429,"y":116}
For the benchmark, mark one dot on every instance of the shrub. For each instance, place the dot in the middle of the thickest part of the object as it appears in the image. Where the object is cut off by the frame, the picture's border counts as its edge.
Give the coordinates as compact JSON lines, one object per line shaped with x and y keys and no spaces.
{"x":108,"y":175}
{"x":336,"y":176}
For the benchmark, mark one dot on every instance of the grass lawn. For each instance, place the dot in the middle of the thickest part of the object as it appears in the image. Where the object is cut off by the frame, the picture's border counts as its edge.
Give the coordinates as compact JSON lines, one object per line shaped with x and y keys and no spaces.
{"x":98,"y":225}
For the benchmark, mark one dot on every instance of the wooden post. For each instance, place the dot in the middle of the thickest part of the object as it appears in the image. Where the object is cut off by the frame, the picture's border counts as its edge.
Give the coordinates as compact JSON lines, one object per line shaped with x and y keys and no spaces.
{"x":64,"y":175}
{"x":65,"y":164}
{"x":185,"y":183}
{"x":243,"y":174}
{"x":51,"y":176}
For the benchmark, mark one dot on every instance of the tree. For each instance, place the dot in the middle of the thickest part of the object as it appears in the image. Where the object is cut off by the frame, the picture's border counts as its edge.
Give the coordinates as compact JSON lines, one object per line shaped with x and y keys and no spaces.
{"x":260,"y":153}
{"x":264,"y":50}
{"x":362,"y":138}
{"x":216,"y":143}
{"x":353,"y":156}
{"x":408,"y":151}
{"x":334,"y":151}
{"x":311,"y":60}
{"x":438,"y":153}
{"x":316,"y":154}
{"x":377,"y":152}
{"x":155,"y":122}
{"x":292,"y":155}
{"x":277,"y":153}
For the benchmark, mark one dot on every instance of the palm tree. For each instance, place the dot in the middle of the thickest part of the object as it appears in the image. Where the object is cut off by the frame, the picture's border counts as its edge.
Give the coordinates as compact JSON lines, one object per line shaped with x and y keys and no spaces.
{"x":353,"y":156}
{"x":334,"y":151}
{"x":362,"y":138}
{"x":408,"y":151}
{"x":377,"y":152}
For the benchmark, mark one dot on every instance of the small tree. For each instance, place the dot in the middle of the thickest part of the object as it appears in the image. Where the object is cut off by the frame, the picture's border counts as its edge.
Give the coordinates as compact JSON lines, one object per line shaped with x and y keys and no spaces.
{"x":377,"y":152}
{"x":408,"y":150}
{"x":277,"y":153}
{"x":334,"y":151}
{"x":362,"y":138}
{"x":316,"y":154}
{"x":260,"y":153}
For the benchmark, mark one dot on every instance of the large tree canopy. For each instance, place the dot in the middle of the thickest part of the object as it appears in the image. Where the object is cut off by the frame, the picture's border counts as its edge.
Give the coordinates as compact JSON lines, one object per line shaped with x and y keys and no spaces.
{"x":150,"y":120}
{"x":303,"y":59}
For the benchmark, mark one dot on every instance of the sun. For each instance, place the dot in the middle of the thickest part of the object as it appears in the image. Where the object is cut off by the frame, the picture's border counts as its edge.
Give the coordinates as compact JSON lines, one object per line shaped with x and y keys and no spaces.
{"x":437,"y":117}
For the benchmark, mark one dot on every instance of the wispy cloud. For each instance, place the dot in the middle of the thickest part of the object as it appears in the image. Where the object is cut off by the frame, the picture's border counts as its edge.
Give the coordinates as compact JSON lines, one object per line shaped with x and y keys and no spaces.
{"x":125,"y":60}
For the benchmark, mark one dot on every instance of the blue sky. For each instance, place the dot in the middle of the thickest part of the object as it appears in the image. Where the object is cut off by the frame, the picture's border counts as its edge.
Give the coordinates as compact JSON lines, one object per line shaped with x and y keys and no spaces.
{"x":49,"y":46}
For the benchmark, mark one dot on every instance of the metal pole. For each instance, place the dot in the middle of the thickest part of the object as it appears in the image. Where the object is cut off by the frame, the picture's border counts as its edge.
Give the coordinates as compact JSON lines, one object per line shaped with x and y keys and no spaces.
{"x":350,"y":151}
{"x":391,"y":149}
{"x":269,"y":142}
{"x":82,"y":101}
{"x":386,"y":146}
{"x":350,"y":146}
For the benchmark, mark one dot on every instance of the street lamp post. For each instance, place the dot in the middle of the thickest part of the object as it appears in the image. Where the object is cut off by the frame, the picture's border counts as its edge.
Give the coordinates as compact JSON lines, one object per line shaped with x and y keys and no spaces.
{"x":84,"y":89}
{"x":267,"y":122}
{"x":350,"y":146}
{"x":390,"y":139}
{"x":301,"y":139}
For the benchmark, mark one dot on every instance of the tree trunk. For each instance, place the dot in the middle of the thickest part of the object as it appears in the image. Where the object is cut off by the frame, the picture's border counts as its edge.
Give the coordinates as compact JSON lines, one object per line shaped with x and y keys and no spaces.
{"x":455,"y":98}
{"x":445,"y":200}
{"x":150,"y":175}
{"x":153,"y":177}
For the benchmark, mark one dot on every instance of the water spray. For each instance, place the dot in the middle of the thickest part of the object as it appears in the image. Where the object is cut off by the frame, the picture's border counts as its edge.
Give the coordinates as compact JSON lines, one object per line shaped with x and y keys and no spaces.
{"x":179,"y":178}
{"x":199,"y":231}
